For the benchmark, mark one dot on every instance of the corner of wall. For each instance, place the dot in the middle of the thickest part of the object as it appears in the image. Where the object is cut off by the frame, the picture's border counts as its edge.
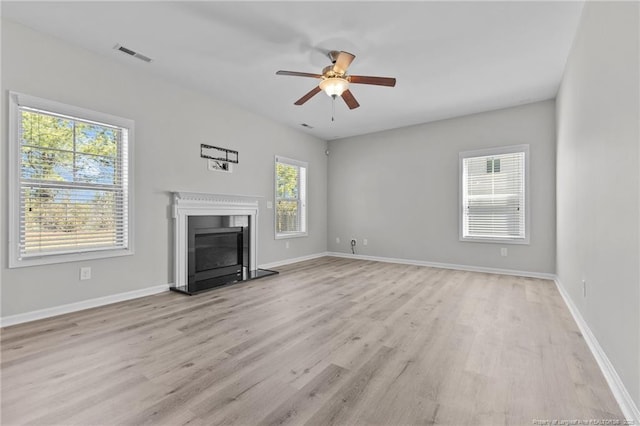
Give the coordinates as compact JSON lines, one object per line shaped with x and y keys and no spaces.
{"x":620,"y":393}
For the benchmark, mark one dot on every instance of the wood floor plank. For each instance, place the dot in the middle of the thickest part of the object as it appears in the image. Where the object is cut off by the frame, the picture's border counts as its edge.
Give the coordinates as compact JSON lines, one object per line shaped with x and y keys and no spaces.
{"x":328,"y":341}
{"x":338,"y":409}
{"x":298,"y":409}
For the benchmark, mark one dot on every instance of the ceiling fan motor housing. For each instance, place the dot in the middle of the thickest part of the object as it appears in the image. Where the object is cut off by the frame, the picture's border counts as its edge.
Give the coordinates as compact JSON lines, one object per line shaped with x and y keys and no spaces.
{"x":333,"y":56}
{"x":329,"y":72}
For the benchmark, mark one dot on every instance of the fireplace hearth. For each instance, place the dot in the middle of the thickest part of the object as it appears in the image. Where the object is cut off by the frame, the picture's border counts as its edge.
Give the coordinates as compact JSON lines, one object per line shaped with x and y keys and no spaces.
{"x":215,"y":241}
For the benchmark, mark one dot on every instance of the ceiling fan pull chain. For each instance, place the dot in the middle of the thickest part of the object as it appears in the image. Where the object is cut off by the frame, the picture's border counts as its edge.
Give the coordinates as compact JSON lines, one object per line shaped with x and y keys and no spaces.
{"x":335,"y":81}
{"x":333,"y":107}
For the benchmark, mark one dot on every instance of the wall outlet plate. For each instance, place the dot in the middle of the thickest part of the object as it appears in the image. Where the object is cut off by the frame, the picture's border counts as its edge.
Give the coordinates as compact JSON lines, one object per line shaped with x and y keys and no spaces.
{"x":85,"y":273}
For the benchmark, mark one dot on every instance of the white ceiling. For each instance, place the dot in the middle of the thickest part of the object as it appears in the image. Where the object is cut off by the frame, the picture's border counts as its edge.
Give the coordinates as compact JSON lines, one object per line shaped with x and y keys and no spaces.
{"x":449,"y":58}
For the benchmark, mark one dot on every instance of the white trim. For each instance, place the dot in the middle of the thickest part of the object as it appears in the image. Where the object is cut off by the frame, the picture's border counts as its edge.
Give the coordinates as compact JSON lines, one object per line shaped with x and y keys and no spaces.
{"x":120,"y":297}
{"x":291,"y":161}
{"x":527,"y":191}
{"x":293,"y":260}
{"x":79,"y":306}
{"x":17,"y":100}
{"x":620,"y":393}
{"x":200,"y":199}
{"x":187,"y":204}
{"x":72,"y":111}
{"x":470,"y":268}
{"x":14,"y":177}
{"x":541,"y":275}
{"x":301,"y":198}
{"x":291,"y":235}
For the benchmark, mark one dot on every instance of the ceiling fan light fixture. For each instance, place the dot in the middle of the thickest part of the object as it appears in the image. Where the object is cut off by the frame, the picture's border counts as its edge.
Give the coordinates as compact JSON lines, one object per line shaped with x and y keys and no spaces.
{"x":334,"y":86}
{"x":335,"y":81}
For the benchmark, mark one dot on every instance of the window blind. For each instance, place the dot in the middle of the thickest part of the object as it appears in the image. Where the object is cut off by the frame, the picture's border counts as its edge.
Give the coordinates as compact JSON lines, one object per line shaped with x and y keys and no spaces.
{"x":291,"y":187}
{"x":493,"y":196}
{"x":73,"y":184}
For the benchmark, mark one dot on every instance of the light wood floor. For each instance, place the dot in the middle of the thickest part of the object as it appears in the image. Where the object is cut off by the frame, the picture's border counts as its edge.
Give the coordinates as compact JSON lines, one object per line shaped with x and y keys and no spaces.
{"x":328,"y":341}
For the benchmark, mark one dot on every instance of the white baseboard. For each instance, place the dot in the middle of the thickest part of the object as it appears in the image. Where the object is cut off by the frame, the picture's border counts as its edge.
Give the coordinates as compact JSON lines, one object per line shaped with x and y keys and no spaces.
{"x":78,"y":306}
{"x":293,"y":260}
{"x":541,"y":275}
{"x":626,"y":403}
{"x":620,"y":393}
{"x":106,"y":300}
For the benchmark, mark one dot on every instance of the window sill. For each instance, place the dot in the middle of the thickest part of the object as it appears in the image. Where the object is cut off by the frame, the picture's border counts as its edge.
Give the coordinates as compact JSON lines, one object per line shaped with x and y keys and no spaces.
{"x":65,"y":258}
{"x":291,"y":235}
{"x":495,"y":240}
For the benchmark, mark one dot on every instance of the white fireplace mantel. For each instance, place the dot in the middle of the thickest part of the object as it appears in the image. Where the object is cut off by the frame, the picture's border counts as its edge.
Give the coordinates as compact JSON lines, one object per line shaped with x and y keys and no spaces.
{"x":187,"y":204}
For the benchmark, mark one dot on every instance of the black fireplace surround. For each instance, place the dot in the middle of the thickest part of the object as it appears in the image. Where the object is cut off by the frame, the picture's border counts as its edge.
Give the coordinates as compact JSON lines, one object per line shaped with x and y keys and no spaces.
{"x":218,"y":253}
{"x":215,"y":257}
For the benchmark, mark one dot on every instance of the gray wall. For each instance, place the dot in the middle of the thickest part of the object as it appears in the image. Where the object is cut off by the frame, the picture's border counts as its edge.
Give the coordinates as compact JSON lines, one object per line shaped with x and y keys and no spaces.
{"x":171,"y":123}
{"x":399,"y":189}
{"x":598,"y":182}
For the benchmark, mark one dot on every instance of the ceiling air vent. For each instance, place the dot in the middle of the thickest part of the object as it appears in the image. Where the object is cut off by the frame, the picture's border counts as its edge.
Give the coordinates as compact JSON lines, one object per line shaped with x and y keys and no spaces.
{"x":132,"y":53}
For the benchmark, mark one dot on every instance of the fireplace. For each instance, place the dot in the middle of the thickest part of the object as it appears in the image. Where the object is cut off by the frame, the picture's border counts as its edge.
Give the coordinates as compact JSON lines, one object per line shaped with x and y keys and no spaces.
{"x":215,"y":241}
{"x":216,"y":252}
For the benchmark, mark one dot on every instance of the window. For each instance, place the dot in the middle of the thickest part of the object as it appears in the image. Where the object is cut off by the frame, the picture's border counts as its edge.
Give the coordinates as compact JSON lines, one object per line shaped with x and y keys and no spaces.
{"x":291,"y":198}
{"x":70,"y":171}
{"x":494,"y":196}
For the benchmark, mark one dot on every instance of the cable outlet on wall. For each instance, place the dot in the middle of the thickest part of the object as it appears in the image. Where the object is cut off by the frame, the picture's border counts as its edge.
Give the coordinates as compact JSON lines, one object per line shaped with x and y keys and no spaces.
{"x":504,"y":252}
{"x":219,"y":166}
{"x":85,"y":273}
{"x":269,"y":205}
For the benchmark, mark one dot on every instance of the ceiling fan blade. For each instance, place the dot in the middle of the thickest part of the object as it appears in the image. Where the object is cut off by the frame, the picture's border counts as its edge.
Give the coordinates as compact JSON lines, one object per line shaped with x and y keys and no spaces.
{"x":378,"y":81}
{"x":298,"y":74}
{"x":343,"y":61}
{"x":308,"y":96}
{"x":349,"y":99}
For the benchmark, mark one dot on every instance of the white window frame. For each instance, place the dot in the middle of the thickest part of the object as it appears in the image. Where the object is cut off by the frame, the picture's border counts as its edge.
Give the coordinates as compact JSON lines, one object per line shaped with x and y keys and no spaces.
{"x":17,"y":100}
{"x":303,"y":201}
{"x":527,"y":210}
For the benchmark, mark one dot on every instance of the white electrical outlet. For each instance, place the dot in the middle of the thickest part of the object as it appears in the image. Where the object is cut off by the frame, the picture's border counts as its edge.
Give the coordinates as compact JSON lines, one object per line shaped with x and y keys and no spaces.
{"x":365,"y":242}
{"x":337,"y":240}
{"x":504,"y":252}
{"x":584,"y":288}
{"x":269,"y":205}
{"x":286,"y":244}
{"x":85,"y":273}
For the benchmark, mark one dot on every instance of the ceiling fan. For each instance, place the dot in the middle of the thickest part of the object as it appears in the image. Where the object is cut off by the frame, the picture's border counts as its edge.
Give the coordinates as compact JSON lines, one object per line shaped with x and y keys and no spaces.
{"x":335,"y":80}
